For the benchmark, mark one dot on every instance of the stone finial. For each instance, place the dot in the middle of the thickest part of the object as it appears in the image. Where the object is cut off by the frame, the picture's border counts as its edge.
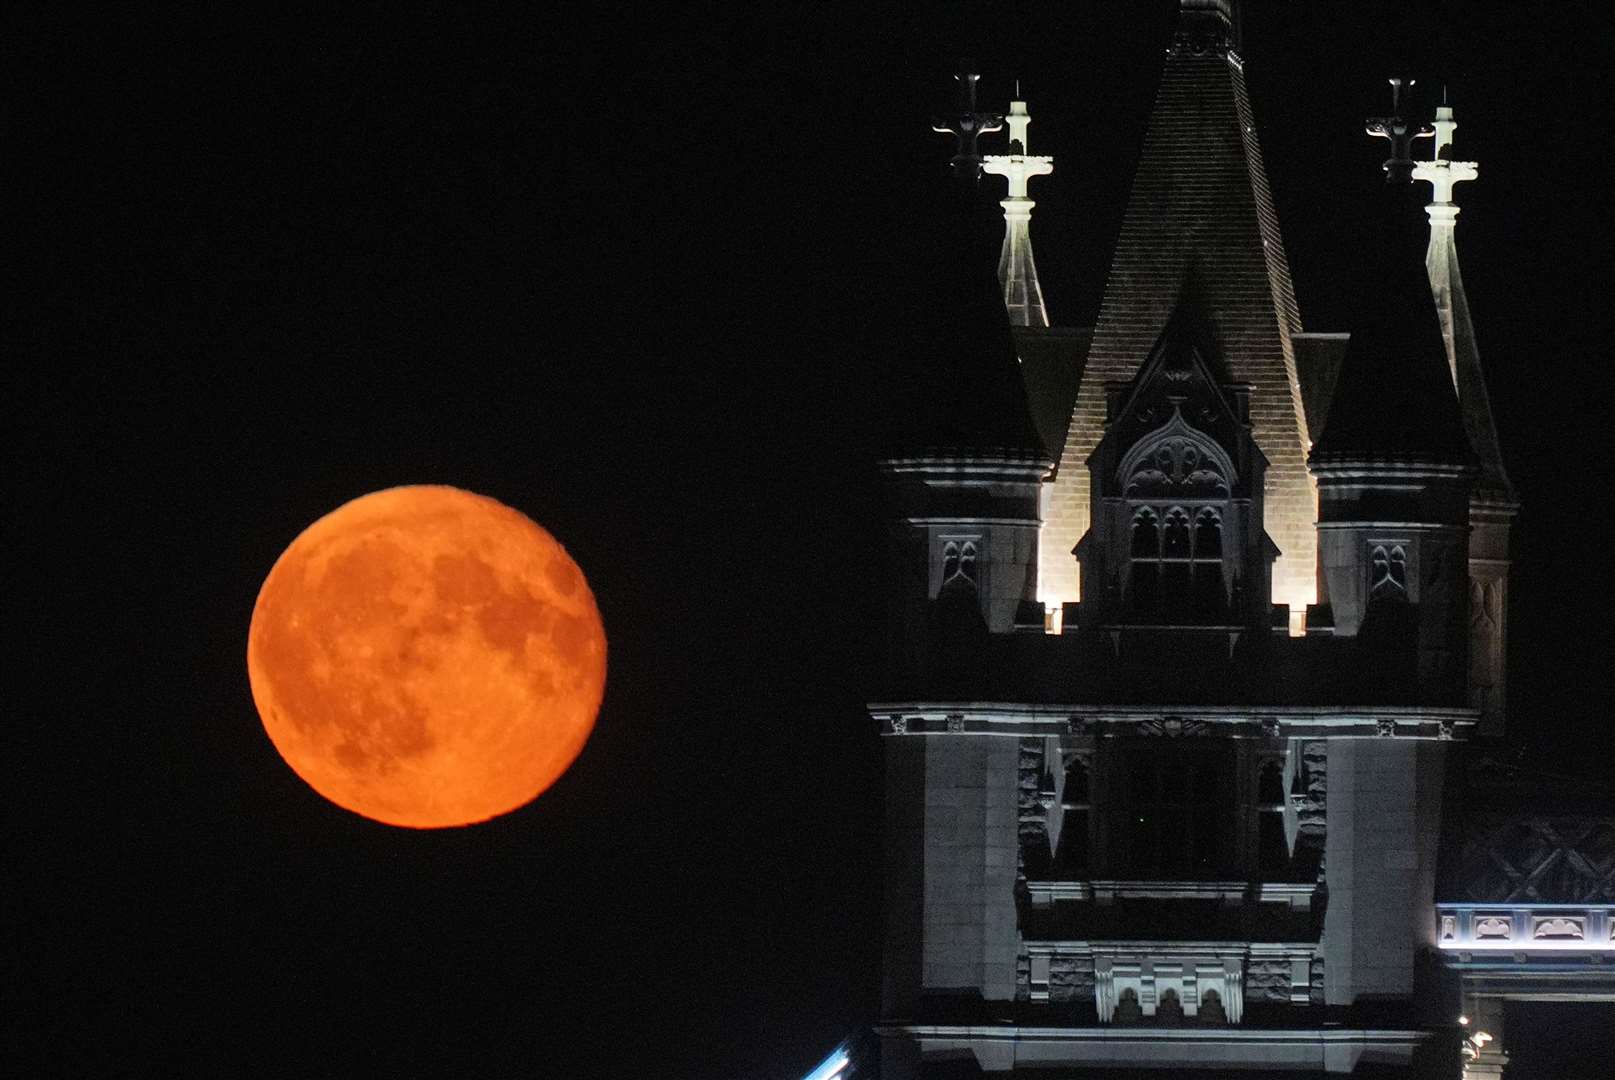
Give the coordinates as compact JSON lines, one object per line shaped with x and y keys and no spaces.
{"x":1401,"y":132}
{"x":1017,"y":273}
{"x":966,"y":125}
{"x":1441,"y":172}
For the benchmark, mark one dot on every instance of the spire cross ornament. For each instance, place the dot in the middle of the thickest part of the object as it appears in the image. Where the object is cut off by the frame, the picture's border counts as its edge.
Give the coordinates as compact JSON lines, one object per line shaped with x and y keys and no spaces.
{"x":1442,"y":173}
{"x":1017,"y":166}
{"x":967,"y":125}
{"x":1401,"y":132}
{"x":1017,"y":273}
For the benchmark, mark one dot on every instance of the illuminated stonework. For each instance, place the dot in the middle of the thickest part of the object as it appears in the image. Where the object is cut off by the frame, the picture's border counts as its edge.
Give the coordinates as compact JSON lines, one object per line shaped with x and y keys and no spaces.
{"x":1540,"y":928}
{"x":1017,"y":273}
{"x":1493,"y":504}
{"x":1200,"y":175}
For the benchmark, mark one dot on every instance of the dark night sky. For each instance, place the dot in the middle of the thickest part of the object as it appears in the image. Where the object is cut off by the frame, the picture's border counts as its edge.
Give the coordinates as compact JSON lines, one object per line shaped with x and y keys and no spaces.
{"x":645,"y":281}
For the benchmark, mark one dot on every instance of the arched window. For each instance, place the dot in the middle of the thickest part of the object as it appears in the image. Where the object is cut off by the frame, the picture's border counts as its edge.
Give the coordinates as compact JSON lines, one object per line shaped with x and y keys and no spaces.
{"x":1179,"y":482}
{"x":1074,"y":807}
{"x":1146,"y":535}
{"x":1272,"y":849}
{"x":1144,"y":577}
{"x":1207,"y":536}
{"x":1169,"y":1010}
{"x":1176,"y":573}
{"x":1176,"y":544}
{"x":1177,"y":551}
{"x":1076,"y":784}
{"x":1210,"y":596}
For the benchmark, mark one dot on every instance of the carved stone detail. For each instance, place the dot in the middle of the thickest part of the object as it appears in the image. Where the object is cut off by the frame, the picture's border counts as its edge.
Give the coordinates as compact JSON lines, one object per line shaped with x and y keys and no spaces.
{"x":1152,"y":982}
{"x":1172,"y":727}
{"x":1559,"y":927}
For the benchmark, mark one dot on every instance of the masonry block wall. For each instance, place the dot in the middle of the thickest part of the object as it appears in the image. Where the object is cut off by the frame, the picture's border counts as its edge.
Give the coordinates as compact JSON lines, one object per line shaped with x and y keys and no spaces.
{"x":951,"y":848}
{"x":1384,"y":823}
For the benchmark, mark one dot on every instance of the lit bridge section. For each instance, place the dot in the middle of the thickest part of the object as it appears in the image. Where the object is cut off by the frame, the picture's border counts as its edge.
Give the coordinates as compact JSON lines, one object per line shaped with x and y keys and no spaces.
{"x":1522,"y":951}
{"x":1521,"y":930}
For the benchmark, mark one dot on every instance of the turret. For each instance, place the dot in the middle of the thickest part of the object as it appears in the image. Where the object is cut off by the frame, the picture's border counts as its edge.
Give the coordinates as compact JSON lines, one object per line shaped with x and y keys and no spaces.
{"x":963,"y":491}
{"x":1393,"y":465}
{"x":1493,"y":504}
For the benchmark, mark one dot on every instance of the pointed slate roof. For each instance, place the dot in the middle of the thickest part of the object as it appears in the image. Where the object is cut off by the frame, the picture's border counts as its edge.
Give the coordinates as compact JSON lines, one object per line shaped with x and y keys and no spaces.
{"x":973,"y":400}
{"x":1394,"y":401}
{"x":1493,"y":484}
{"x":1183,"y":365}
{"x":1200,"y":198}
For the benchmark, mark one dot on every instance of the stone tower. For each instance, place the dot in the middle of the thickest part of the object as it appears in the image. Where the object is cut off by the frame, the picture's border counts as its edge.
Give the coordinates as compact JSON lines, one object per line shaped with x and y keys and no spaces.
{"x":1167,"y":832}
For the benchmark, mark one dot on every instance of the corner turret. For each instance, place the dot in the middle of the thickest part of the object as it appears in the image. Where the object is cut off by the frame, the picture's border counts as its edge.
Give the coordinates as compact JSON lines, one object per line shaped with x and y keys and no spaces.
{"x":1493,"y":504}
{"x":1393,"y":465}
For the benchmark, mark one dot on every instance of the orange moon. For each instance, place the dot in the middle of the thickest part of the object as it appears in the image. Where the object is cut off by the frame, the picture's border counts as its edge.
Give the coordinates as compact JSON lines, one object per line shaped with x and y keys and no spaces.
{"x":427,"y":657}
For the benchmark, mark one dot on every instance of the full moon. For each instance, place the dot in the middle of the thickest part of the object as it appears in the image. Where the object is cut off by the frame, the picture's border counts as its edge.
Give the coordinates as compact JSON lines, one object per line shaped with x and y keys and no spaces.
{"x":427,"y":657}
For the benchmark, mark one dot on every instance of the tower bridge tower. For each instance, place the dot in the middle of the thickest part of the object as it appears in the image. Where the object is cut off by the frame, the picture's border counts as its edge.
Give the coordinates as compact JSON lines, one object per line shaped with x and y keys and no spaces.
{"x":1169,"y":833}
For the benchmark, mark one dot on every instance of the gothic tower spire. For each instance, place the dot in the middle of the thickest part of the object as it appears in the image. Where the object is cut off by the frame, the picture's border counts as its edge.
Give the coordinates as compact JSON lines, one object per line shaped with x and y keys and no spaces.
{"x":1200,"y":206}
{"x":1023,"y":297}
{"x":1493,"y":504}
{"x":1443,"y":173}
{"x":1393,"y":463}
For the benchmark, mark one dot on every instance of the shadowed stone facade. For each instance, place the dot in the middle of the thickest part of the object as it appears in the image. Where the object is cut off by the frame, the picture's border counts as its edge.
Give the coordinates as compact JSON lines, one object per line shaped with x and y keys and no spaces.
{"x":1174,"y":825}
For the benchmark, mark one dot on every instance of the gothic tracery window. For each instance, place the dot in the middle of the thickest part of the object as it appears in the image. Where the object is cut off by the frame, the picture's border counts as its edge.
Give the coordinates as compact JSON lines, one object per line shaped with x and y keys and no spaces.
{"x":1178,"y":484}
{"x":1176,"y":570}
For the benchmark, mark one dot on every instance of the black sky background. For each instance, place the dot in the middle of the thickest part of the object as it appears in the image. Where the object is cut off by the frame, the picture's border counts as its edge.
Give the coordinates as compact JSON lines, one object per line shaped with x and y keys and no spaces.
{"x":651,"y":280}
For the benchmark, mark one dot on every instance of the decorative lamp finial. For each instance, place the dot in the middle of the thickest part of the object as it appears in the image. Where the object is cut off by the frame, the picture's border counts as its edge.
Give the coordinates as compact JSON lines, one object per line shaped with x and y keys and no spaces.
{"x":966,"y":125}
{"x":1401,"y":132}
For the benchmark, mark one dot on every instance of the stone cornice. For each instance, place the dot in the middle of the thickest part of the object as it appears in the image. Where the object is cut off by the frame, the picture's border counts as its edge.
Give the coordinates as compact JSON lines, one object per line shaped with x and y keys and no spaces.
{"x":984,"y":466}
{"x":1005,"y":1047}
{"x":1017,"y":720}
{"x":1177,"y":950}
{"x":1295,"y":894}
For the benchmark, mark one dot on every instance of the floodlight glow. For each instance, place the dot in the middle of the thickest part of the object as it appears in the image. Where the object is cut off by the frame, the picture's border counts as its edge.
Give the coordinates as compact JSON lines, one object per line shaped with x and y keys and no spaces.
{"x":831,"y":1067}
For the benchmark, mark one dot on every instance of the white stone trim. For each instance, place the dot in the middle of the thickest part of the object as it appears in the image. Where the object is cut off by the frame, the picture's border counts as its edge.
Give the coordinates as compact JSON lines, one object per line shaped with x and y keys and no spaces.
{"x":1232,"y":893}
{"x":1526,"y":928}
{"x":1238,"y":721}
{"x":1002,"y":1048}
